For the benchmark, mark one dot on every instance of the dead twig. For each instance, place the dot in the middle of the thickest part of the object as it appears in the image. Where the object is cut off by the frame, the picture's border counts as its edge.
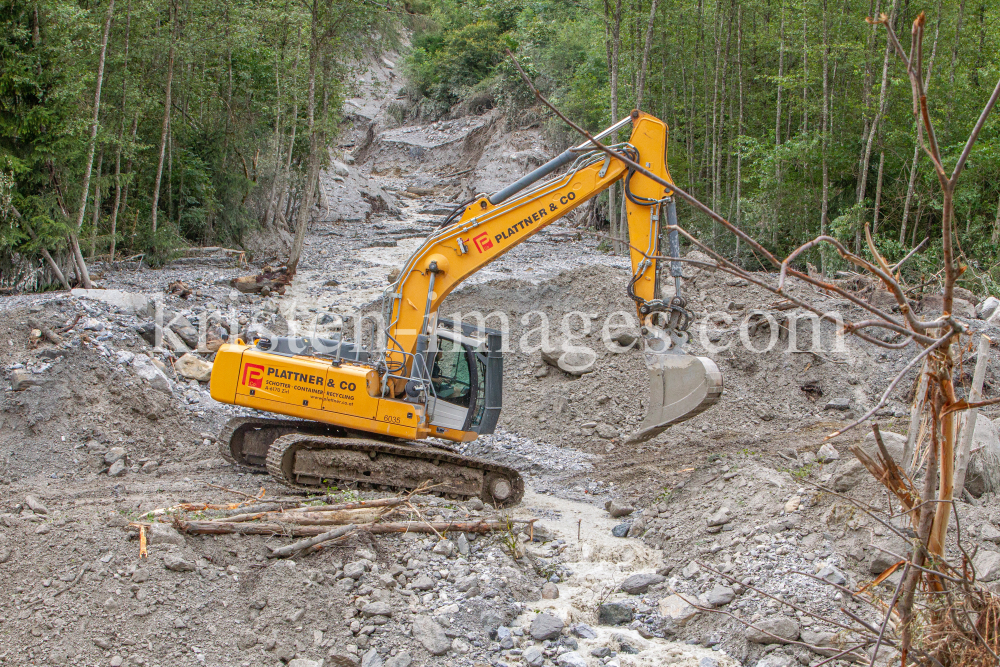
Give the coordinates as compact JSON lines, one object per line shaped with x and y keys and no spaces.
{"x":303,"y":545}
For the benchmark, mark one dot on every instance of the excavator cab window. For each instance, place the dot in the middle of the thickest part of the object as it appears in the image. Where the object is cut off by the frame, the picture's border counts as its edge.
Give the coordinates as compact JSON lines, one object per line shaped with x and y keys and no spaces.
{"x":451,"y":375}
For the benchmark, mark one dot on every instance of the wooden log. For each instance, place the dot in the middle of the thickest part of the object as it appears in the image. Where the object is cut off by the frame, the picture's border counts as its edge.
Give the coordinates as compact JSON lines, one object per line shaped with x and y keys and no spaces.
{"x":47,"y":333}
{"x":293,"y":530}
{"x":302,"y":545}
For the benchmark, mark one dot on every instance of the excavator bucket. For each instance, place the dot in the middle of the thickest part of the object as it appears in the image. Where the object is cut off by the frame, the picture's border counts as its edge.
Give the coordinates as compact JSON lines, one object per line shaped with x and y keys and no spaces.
{"x":680,"y":387}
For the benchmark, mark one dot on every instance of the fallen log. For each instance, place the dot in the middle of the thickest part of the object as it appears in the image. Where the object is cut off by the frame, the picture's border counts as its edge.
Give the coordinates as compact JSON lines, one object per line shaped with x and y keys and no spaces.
{"x":47,"y":333}
{"x":256,"y":511}
{"x":293,"y":530}
{"x":302,"y":545}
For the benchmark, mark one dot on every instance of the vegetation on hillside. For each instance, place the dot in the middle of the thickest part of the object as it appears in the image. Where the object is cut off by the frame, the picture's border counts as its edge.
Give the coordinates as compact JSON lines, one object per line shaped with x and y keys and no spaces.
{"x":789,"y":117}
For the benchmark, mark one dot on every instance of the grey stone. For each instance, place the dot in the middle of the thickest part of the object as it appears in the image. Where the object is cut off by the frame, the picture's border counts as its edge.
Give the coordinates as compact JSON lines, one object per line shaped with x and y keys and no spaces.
{"x":637,"y":584}
{"x":445,"y":548}
{"x":176,"y":563}
{"x":567,"y":357}
{"x":475,"y":504}
{"x":21,"y":380}
{"x":708,"y":662}
{"x":621,"y":530}
{"x":114,"y":454}
{"x":372,"y":659}
{"x":571,"y":659}
{"x":356,"y":569}
{"x":162,"y":533}
{"x":377,"y":608}
{"x":983,"y":475}
{"x":833,"y":575}
{"x":614,"y":613}
{"x":894,"y":444}
{"x":467,"y":583}
{"x":550,"y":591}
{"x":777,"y":629}
{"x":777,"y":660}
{"x":303,"y":662}
{"x":720,"y":595}
{"x":849,"y":474}
{"x":584,"y":631}
{"x":677,"y":609}
{"x":987,"y":564}
{"x":987,"y":307}
{"x":421,"y":583}
{"x":430,"y":635}
{"x":720,"y":518}
{"x":35,"y":505}
{"x":462,"y":544}
{"x":145,"y":370}
{"x":545,"y":626}
{"x":989,"y":533}
{"x":618,"y":510}
{"x":841,"y":404}
{"x":827,"y":453}
{"x":401,"y":659}
{"x":193,"y":367}
{"x":606,"y":431}
{"x":825,"y":642}
{"x":117,"y":468}
{"x":533,"y":656}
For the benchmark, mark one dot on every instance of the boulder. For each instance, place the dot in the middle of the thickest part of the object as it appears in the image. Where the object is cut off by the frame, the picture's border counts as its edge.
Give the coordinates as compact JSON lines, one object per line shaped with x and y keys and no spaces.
{"x":894,"y":444}
{"x":568,"y":357}
{"x":778,"y":629}
{"x":192,"y":367}
{"x":677,"y":609}
{"x":35,"y":505}
{"x":430,"y":635}
{"x":571,"y":659}
{"x":614,"y":613}
{"x":827,"y":453}
{"x":177,"y":563}
{"x":987,"y":307}
{"x":145,"y":370}
{"x":987,"y":564}
{"x":162,"y":533}
{"x":545,"y":626}
{"x":849,"y":474}
{"x":637,"y":584}
{"x":21,"y":380}
{"x":533,"y":656}
{"x":616,"y":509}
{"x":720,"y":518}
{"x":720,"y":595}
{"x":984,"y":465}
{"x":989,"y":533}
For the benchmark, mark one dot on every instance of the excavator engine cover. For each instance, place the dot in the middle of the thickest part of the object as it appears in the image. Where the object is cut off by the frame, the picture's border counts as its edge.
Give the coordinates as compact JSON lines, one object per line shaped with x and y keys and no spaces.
{"x":680,"y":387}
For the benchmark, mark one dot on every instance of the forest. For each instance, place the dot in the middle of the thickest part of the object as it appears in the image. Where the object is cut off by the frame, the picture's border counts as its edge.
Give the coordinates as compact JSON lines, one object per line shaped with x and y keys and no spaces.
{"x":136,"y":126}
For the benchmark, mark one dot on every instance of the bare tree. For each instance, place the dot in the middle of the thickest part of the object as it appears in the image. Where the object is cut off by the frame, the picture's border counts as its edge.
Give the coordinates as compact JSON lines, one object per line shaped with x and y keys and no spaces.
{"x":166,"y":117}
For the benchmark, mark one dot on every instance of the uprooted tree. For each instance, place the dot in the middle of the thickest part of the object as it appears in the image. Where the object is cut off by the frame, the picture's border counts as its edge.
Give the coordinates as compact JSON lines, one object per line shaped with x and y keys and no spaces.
{"x":939,"y":614}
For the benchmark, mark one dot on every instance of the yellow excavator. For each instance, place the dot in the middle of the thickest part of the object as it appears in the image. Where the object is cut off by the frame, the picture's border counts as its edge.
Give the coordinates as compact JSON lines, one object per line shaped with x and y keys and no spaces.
{"x":377,"y":418}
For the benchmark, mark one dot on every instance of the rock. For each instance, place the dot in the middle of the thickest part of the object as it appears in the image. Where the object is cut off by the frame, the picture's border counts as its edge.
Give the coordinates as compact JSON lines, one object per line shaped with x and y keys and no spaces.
{"x":303,"y":662}
{"x":459,"y":645}
{"x":545,"y":626}
{"x":690,"y":570}
{"x":421,"y":583}
{"x":621,"y":530}
{"x":987,"y":564}
{"x":341,"y":169}
{"x":35,"y":505}
{"x":792,"y":504}
{"x":894,"y":444}
{"x":637,"y":584}
{"x":475,"y":504}
{"x":827,"y":640}
{"x":129,"y":302}
{"x":117,"y":468}
{"x":162,"y":533}
{"x":114,"y":454}
{"x":987,"y":307}
{"x":778,"y":629}
{"x":569,"y":358}
{"x":116,"y":661}
{"x":192,"y":367}
{"x":401,"y":659}
{"x":550,"y":591}
{"x":355,"y":569}
{"x":176,"y":563}
{"x":91,"y":324}
{"x":720,"y":518}
{"x":827,"y":453}
{"x":720,"y":595}
{"x":370,"y":659}
{"x":584,"y":631}
{"x":849,"y":474}
{"x":377,"y":608}
{"x":145,"y":370}
{"x":988,"y":533}
{"x":445,"y":548}
{"x":708,"y":662}
{"x":677,"y":609}
{"x":462,"y":544}
{"x":533,"y":656}
{"x":841,"y":404}
{"x":984,"y":475}
{"x":606,"y":431}
{"x":777,"y":660}
{"x":430,"y":635}
{"x":467,"y":584}
{"x":833,"y":575}
{"x":600,"y":652}
{"x":637,"y":528}
{"x":618,"y":510}
{"x":614,"y":613}
{"x":571,"y":659}
{"x":21,"y":380}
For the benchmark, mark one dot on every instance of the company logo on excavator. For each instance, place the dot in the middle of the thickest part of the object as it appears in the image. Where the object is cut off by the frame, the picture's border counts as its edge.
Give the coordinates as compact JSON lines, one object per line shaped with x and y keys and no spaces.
{"x":483,"y":242}
{"x":253,"y":375}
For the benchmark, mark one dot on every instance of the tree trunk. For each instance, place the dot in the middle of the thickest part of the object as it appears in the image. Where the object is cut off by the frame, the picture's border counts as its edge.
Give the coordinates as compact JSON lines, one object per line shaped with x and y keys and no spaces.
{"x":825,"y":139}
{"x":302,"y":220}
{"x":166,"y":117}
{"x":613,"y":24}
{"x":279,"y":67}
{"x":640,"y":88}
{"x":996,"y":225}
{"x":958,"y":39}
{"x":45,"y":252}
{"x":74,"y":234}
{"x":96,"y":218}
{"x":121,"y":138}
{"x":777,"y":130}
{"x":286,"y":190}
{"x":739,"y":128}
{"x":878,"y":192}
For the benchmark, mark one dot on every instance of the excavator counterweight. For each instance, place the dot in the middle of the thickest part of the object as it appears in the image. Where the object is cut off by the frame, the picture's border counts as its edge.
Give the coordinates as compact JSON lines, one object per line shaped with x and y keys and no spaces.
{"x":366,"y":417}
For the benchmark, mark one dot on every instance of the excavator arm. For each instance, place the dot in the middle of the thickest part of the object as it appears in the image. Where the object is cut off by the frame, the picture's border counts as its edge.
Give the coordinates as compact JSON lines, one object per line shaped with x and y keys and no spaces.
{"x":681,"y":385}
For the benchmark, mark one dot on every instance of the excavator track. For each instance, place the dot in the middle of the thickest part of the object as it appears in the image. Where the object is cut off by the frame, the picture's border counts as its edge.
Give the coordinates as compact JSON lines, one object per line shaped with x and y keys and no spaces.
{"x":310,"y":456}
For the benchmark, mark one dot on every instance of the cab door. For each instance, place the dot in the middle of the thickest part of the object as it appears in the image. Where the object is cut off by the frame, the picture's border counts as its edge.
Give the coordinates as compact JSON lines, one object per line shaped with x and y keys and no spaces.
{"x":455,"y":382}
